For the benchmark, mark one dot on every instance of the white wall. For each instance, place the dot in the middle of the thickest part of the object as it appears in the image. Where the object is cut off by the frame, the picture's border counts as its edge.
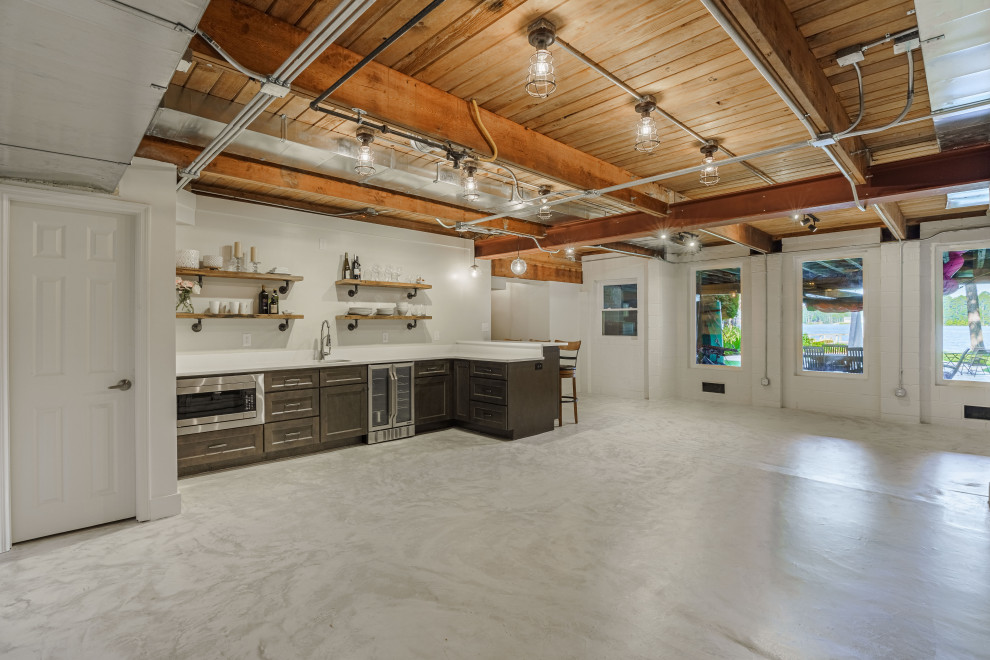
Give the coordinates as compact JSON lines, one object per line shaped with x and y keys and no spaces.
{"x":527,"y":309}
{"x":153,"y":183}
{"x":313,"y":246}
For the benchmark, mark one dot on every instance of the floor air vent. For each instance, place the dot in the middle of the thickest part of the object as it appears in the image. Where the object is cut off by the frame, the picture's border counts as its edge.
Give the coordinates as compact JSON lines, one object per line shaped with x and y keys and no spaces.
{"x":715,"y":388}
{"x":976,"y":412}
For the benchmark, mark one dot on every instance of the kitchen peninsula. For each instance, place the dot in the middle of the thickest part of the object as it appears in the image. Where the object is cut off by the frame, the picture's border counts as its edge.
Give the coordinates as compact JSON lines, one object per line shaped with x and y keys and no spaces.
{"x":304,"y":405}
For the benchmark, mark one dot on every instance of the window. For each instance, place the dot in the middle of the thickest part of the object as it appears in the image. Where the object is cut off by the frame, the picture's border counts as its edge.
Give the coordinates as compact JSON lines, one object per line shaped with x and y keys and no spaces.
{"x":965,"y":307}
{"x":832,"y":325}
{"x":718,"y":311}
{"x":619,"y":310}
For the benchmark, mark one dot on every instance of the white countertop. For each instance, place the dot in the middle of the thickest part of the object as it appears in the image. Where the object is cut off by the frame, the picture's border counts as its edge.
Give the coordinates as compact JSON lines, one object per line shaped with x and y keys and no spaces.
{"x":234,"y":362}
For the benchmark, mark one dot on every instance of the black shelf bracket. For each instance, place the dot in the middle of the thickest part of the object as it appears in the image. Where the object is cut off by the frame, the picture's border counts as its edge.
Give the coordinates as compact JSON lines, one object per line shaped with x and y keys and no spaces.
{"x":198,"y":325}
{"x":352,"y":325}
{"x":412,"y":325}
{"x":412,"y":294}
{"x":200,"y":278}
{"x":285,"y":288}
{"x":353,"y":292}
{"x":284,"y":325}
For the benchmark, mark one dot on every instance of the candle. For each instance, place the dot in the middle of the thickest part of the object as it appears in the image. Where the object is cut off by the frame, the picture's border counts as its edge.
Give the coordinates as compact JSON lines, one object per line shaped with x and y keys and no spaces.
{"x":254,"y":255}
{"x":237,"y":250}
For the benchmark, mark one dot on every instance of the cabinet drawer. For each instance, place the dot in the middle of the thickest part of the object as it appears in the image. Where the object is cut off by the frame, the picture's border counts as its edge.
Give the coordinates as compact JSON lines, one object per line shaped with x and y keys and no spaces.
{"x":292,"y":433}
{"x":291,"y":405}
{"x":489,"y":369}
{"x":276,"y":381}
{"x":487,"y":414}
{"x":432,"y":368}
{"x":488,"y":390}
{"x":219,"y":446}
{"x":344,"y":375}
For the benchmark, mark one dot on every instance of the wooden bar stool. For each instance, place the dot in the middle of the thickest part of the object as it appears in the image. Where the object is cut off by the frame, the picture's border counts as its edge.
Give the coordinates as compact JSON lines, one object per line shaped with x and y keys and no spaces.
{"x":568,"y":369}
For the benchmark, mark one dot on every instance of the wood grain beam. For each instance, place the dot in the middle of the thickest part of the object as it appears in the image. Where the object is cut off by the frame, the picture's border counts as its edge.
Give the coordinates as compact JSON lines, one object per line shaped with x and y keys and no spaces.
{"x":960,"y":169}
{"x":261,"y":43}
{"x":891,"y":215}
{"x":771,"y":29}
{"x":539,"y":271}
{"x":747,"y":236}
{"x":284,"y":177}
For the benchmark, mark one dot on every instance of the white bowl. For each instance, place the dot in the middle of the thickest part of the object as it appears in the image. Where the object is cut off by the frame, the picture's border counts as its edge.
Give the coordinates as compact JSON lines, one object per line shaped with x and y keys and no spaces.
{"x":402,"y":309}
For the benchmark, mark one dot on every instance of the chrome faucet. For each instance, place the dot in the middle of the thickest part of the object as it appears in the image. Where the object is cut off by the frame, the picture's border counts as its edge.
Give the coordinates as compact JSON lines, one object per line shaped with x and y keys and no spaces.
{"x":325,"y":340}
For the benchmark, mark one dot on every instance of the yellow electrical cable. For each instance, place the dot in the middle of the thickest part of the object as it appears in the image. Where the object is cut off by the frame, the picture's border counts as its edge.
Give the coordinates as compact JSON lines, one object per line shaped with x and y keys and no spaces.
{"x":476,"y":116}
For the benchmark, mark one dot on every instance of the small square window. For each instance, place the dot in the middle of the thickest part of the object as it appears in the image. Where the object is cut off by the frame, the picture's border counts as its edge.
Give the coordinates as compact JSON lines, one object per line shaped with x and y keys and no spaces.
{"x":619,"y":310}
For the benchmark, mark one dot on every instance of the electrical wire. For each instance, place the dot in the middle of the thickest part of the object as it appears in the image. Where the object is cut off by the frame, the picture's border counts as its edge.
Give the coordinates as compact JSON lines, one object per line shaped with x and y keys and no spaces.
{"x":862,"y":102}
{"x":476,"y":117}
{"x":907,"y":105}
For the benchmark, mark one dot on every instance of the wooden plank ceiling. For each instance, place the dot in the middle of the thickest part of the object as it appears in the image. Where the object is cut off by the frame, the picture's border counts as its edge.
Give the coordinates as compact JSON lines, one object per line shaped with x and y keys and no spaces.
{"x":673,"y":49}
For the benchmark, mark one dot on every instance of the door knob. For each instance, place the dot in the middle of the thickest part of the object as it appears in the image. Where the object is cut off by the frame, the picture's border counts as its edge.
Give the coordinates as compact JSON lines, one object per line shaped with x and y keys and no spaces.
{"x":123,"y":385}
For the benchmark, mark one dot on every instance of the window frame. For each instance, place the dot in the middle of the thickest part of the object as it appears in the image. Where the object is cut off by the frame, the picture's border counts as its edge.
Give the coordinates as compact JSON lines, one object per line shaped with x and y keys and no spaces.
{"x":602,"y":309}
{"x":935,"y":350}
{"x":721,"y":264}
{"x":868,"y":332}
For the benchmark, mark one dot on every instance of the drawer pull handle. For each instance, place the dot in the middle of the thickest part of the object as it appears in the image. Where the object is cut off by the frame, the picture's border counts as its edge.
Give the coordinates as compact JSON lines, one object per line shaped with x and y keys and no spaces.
{"x":294,"y":433}
{"x":293,"y":405}
{"x":291,"y":380}
{"x":217,"y":446}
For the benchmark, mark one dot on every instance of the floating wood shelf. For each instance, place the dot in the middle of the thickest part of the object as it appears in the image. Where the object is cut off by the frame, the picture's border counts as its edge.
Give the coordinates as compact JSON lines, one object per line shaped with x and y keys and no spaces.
{"x":200,"y":273}
{"x":415,"y":286}
{"x":376,"y":317}
{"x":198,"y":325}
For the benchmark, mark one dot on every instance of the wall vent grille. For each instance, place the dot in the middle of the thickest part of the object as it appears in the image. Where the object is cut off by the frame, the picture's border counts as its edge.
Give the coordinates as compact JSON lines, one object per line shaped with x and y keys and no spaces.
{"x":714,"y":388}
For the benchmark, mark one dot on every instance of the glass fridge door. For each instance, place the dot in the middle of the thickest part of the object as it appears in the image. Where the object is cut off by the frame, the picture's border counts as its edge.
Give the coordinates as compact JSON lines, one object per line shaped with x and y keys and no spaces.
{"x":404,"y":393}
{"x":380,"y":396}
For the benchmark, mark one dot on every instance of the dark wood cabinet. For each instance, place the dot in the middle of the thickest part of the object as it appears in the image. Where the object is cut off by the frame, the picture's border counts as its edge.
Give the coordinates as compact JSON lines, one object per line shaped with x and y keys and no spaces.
{"x":223,"y":448}
{"x":433,"y":400}
{"x":294,"y":379}
{"x":343,"y":414}
{"x":432,"y":368}
{"x":462,"y":390}
{"x":511,"y":399}
{"x":293,"y":433}
{"x":350,"y":375}
{"x":291,"y":404}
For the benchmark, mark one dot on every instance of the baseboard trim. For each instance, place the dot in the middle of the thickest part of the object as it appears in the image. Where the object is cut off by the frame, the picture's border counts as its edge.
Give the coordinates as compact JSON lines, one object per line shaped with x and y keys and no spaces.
{"x":163,"y":507}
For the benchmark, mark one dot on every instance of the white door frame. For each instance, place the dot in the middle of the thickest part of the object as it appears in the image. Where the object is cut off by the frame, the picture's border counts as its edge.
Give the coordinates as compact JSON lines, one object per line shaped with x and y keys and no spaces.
{"x":141,"y":215}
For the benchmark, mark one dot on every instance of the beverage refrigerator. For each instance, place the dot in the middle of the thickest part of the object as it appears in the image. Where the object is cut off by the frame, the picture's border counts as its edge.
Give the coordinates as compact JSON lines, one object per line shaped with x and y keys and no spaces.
{"x":391,"y":402}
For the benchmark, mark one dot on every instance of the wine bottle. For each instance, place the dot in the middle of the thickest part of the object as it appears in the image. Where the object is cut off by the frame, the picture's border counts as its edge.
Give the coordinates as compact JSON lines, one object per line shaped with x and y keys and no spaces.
{"x":273,"y":302}
{"x":263,"y":298}
{"x":356,"y":268}
{"x":346,"y":275}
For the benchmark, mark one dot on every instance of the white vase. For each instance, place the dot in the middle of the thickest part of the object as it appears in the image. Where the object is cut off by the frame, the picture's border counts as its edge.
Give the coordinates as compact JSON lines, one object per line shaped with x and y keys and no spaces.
{"x":187,"y":258}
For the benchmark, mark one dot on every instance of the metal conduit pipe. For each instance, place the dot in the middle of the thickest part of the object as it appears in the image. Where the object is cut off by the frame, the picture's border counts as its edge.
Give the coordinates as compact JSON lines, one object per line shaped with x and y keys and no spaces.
{"x":341,"y":18}
{"x":374,"y":53}
{"x":907,"y":105}
{"x":608,"y":75}
{"x":618,"y":251}
{"x":230,"y":60}
{"x":148,"y":16}
{"x":784,"y":95}
{"x":862,"y":103}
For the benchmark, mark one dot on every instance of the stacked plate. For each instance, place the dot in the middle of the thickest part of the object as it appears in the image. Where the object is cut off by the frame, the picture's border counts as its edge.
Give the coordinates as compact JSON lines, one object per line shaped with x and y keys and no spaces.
{"x":386,"y":311}
{"x":361,"y":311}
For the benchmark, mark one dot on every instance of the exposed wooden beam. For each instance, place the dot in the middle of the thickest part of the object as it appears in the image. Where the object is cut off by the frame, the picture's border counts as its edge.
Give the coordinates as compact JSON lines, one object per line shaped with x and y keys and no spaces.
{"x":540,"y":270}
{"x":629,"y":247}
{"x":284,"y":177}
{"x":323,"y":209}
{"x":261,"y":43}
{"x":891,"y":215}
{"x":747,"y":236}
{"x":960,"y":169}
{"x":770,"y":27}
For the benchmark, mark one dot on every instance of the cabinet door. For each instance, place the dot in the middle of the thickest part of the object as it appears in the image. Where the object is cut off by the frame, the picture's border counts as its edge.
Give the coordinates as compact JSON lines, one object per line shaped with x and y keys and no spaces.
{"x":462,"y":391}
{"x":433,"y":399}
{"x":380,"y":392}
{"x":343,"y":413}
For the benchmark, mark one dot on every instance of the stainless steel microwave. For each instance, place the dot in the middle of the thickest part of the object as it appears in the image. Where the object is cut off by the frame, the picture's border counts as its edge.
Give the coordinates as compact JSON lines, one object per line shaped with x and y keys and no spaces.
{"x":219,"y":402}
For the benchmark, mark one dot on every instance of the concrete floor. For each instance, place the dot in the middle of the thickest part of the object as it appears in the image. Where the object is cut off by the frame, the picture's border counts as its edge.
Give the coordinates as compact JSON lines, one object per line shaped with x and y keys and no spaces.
{"x":650,"y":530}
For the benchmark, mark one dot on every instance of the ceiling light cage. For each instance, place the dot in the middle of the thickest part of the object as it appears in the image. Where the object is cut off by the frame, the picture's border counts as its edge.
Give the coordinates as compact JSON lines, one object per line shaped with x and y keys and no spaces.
{"x":646,"y":128}
{"x":541,"y":81}
{"x":545,"y":212}
{"x":709,"y":175}
{"x":470,"y":183}
{"x":365,"y":165}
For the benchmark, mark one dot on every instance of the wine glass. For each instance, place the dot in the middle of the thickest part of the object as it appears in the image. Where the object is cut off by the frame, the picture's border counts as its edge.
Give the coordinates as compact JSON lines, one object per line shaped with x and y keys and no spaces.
{"x":398,"y":273}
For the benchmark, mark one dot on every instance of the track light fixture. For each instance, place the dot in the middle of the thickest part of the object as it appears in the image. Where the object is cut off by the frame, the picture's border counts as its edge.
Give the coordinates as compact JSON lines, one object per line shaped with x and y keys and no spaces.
{"x":469,"y":183}
{"x":709,"y":175}
{"x":365,"y":165}
{"x":810,"y":222}
{"x":569,"y":252}
{"x":646,"y":127}
{"x":541,"y":80}
{"x":545,"y":212}
{"x":687,"y":240}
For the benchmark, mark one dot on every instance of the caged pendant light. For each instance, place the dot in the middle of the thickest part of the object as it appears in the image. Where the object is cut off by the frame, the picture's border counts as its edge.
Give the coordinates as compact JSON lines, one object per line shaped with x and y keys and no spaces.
{"x":541,"y":80}
{"x":518,"y":266}
{"x":646,"y":127}
{"x":365,"y":165}
{"x":709,"y":175}
{"x":470,"y":184}
{"x":545,"y":212}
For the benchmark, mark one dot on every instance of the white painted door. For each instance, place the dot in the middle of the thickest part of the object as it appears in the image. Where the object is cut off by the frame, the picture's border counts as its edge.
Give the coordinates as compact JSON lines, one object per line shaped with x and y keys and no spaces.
{"x":71,"y":337}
